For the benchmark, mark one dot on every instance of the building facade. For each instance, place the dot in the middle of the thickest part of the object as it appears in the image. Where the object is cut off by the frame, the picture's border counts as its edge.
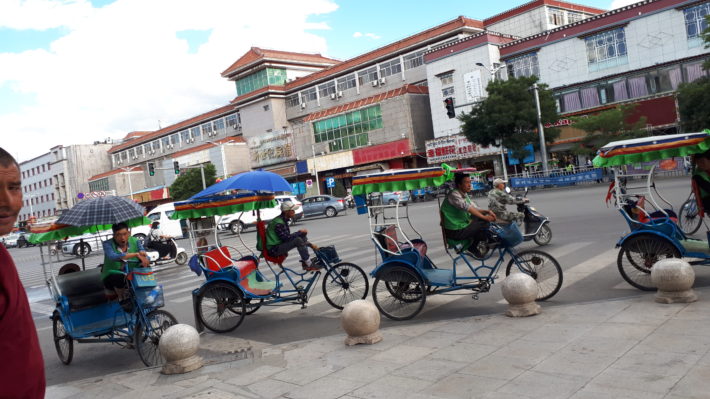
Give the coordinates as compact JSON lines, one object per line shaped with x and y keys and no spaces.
{"x":71,"y":168}
{"x":37,"y":188}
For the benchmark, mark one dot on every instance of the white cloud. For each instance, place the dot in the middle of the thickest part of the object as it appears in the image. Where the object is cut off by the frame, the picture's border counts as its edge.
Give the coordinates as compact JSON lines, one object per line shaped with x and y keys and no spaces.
{"x":43,"y":14}
{"x":621,"y":3}
{"x":370,"y":35}
{"x":357,"y":34}
{"x":122,"y":68}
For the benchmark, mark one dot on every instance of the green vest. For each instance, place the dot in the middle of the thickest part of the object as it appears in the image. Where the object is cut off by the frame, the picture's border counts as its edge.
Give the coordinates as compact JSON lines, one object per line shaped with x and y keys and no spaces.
{"x":455,"y":218}
{"x":116,"y":266}
{"x":272,"y":239}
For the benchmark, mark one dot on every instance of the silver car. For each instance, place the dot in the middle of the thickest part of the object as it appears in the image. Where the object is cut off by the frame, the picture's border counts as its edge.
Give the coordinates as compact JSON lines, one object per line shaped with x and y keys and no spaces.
{"x":323,"y":205}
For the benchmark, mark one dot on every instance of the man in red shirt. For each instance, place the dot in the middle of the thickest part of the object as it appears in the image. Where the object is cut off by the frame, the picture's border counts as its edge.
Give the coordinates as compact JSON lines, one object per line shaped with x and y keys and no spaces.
{"x":22,"y":370}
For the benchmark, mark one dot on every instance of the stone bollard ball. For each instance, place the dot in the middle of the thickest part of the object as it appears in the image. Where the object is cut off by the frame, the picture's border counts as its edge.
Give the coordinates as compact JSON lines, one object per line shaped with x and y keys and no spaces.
{"x":519,"y":288}
{"x":360,"y":318}
{"x":178,"y":342}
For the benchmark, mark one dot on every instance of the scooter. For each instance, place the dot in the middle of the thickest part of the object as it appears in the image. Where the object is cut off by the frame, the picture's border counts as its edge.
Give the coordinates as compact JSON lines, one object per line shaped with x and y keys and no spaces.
{"x":535,"y":225}
{"x":180,"y":255}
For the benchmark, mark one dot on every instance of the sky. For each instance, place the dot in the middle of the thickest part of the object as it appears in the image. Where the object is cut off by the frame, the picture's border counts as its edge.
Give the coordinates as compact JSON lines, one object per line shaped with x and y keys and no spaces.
{"x":79,"y":71}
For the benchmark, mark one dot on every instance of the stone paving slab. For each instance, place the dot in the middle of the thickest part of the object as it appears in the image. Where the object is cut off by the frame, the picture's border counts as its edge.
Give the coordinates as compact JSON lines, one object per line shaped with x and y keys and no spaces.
{"x":628,"y":348}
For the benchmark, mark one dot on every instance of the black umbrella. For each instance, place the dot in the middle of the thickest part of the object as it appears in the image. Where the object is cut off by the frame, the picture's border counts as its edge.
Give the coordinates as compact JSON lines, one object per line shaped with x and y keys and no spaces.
{"x":103,"y":212}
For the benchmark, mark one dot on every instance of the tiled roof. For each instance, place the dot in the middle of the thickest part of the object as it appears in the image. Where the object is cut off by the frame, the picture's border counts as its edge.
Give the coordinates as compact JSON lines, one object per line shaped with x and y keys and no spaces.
{"x":173,"y":128}
{"x":134,"y":134}
{"x":367,"y":101}
{"x":255,"y":54}
{"x":467,"y":43}
{"x":233,"y":139}
{"x":388,"y":50}
{"x":114,"y":172}
{"x":539,"y":3}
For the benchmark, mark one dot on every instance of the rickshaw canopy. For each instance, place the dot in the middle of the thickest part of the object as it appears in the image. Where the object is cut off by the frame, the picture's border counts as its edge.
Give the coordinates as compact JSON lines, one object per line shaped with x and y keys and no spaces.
{"x":223,"y":205}
{"x":645,"y":149}
{"x":401,"y":180}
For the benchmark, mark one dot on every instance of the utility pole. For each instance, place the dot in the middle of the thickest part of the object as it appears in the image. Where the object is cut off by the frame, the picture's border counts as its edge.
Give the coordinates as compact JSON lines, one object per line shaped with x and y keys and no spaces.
{"x":128,"y":172}
{"x":540,"y":128}
{"x":495,"y":68}
{"x":313,"y":148}
{"x":202,"y":173}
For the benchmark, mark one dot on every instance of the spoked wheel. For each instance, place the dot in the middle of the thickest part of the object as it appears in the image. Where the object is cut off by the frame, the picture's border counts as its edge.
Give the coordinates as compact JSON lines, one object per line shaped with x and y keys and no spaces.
{"x":689,"y":219}
{"x":63,"y":342}
{"x":253,"y":305}
{"x":399,"y":293}
{"x":221,"y":307}
{"x":637,"y":256}
{"x":544,"y":236}
{"x":542,"y":267}
{"x":344,"y":283}
{"x":181,"y":258}
{"x":147,"y":339}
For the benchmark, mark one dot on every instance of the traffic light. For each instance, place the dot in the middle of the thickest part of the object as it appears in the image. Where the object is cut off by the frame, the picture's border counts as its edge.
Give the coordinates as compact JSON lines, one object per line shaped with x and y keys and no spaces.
{"x":449,"y":101}
{"x":151,"y":168}
{"x":176,"y":166}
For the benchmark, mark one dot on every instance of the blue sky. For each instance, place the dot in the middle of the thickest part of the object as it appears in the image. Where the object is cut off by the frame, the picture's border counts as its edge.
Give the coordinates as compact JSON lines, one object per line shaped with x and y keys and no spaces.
{"x":103,"y":68}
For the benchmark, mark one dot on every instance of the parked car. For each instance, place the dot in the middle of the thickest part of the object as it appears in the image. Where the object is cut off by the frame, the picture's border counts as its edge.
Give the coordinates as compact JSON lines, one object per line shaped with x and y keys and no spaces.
{"x":241,"y":221}
{"x":10,"y":240}
{"x":169,"y":227}
{"x":323,"y":205}
{"x":85,"y":244}
{"x":23,"y":242}
{"x":392,"y":197}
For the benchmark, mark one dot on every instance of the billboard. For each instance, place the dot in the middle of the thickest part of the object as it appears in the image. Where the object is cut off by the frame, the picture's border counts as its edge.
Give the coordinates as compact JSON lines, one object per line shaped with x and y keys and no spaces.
{"x":452,"y":148}
{"x":271,"y":148}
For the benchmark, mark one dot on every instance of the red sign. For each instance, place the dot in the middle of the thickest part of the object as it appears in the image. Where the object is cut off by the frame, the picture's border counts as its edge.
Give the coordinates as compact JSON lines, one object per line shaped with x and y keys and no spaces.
{"x":382,"y":152}
{"x":561,"y":122}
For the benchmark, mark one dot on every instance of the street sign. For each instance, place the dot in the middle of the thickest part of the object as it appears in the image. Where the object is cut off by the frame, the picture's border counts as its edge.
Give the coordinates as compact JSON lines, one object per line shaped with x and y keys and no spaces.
{"x":309,"y":183}
{"x":330,"y":182}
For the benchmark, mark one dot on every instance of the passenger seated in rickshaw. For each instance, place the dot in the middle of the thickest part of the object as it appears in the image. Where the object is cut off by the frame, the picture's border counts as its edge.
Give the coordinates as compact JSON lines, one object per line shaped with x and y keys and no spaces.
{"x":701,"y":179}
{"x":117,"y":250}
{"x":279,"y":239}
{"x":462,"y":219}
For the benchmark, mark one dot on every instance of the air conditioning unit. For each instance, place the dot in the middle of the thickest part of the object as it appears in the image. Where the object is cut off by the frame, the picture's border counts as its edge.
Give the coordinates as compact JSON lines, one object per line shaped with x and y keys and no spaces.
{"x":237,"y":127}
{"x":333,"y":96}
{"x":303,"y":105}
{"x":374,"y":83}
{"x":383,"y":81}
{"x":340,"y":94}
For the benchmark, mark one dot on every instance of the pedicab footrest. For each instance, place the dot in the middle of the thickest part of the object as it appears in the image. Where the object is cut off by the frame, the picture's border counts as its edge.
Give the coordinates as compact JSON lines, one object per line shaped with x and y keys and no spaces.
{"x":257,"y":285}
{"x":439,"y":276}
{"x":691,"y":245}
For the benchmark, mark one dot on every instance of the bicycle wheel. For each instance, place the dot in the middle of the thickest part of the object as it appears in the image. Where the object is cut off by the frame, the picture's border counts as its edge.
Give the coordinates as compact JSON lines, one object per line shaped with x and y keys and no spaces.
{"x":542,"y":267}
{"x":637,"y":256}
{"x":146,"y":340}
{"x":344,"y":283}
{"x":399,"y":292}
{"x":63,"y":342}
{"x":689,"y":220}
{"x":221,"y":307}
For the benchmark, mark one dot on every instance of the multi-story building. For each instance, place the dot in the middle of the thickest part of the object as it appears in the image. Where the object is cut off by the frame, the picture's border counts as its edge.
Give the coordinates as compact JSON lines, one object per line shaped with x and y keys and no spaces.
{"x":37,"y":188}
{"x":71,"y":166}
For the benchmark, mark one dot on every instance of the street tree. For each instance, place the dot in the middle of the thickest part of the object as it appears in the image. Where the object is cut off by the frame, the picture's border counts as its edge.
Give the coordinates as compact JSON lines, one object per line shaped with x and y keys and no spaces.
{"x":509,"y":114}
{"x":609,"y":125}
{"x":694,"y":97}
{"x":189,"y":182}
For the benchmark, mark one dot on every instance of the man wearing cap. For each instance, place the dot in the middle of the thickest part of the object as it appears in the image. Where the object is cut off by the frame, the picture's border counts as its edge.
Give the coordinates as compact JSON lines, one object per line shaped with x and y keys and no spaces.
{"x":279,"y":239}
{"x":498,"y":199}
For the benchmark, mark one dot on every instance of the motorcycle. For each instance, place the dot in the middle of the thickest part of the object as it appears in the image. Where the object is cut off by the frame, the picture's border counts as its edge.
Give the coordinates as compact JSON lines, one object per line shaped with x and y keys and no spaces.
{"x":535,"y":225}
{"x":349,"y":201}
{"x":180,"y":255}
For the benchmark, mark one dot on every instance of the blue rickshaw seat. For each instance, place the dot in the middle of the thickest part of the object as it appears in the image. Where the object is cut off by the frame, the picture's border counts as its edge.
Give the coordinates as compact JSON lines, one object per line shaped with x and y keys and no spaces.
{"x":83,"y":289}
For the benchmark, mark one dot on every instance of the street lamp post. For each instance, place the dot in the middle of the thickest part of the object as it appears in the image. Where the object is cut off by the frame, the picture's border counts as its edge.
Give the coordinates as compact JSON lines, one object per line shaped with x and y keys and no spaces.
{"x":540,"y":128}
{"x":495,"y":67}
{"x":315,"y":169}
{"x":130,"y":186}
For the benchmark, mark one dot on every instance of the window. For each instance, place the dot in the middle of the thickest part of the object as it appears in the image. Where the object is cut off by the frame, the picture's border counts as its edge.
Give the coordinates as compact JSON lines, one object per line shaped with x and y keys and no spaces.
{"x":124,"y":155}
{"x":348,"y":130}
{"x":367,"y":76}
{"x":206,"y":129}
{"x":116,"y":159}
{"x":606,"y":49}
{"x":326,"y":89}
{"x":139,"y":151}
{"x":292,"y":101}
{"x":174,"y":139}
{"x":259,"y":79}
{"x":218,"y":124}
{"x":525,"y":65}
{"x":693,"y":71}
{"x":447,"y":79}
{"x":232,"y":120}
{"x":555,"y":16}
{"x":346,"y":82}
{"x":573,"y":17}
{"x":309,"y":95}
{"x":99,"y":185}
{"x":695,"y":23}
{"x":165,"y":143}
{"x":390,"y":67}
{"x":413,"y":60}
{"x":447,"y":91}
{"x":148,"y":149}
{"x":132,"y":153}
{"x":195,"y":132}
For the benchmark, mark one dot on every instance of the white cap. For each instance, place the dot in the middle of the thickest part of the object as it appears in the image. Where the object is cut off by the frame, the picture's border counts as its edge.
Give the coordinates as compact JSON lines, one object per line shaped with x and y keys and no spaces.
{"x":498,"y":181}
{"x":288,"y":206}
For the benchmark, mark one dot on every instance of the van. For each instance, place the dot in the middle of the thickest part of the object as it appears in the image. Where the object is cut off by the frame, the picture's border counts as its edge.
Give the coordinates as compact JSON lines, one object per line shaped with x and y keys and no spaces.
{"x":169,"y":227}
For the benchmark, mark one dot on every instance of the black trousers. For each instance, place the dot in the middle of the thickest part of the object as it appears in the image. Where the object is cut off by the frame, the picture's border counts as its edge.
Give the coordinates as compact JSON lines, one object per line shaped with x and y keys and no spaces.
{"x":299,"y":243}
{"x":115,"y":280}
{"x":476,"y":231}
{"x":163,"y":249}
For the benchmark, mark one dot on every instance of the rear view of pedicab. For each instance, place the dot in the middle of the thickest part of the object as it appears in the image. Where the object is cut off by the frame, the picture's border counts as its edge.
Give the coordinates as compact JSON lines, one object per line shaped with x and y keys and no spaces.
{"x":84,"y":311}
{"x":407,"y":276}
{"x":235,"y":286}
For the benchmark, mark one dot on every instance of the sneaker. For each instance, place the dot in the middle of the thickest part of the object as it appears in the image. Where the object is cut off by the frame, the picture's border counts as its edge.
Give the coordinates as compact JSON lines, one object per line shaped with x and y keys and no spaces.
{"x":308,"y":265}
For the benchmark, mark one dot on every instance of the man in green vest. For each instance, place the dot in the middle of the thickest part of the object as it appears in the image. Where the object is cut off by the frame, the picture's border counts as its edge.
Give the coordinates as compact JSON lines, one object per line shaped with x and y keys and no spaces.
{"x":121,"y":248}
{"x":279,"y":239}
{"x":463,"y":220}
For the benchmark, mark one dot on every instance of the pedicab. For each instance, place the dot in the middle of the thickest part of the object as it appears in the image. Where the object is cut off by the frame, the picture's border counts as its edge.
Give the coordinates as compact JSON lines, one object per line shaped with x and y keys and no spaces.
{"x":406,"y":276}
{"x":654,"y":232}
{"x":235,"y":284}
{"x":84,"y":311}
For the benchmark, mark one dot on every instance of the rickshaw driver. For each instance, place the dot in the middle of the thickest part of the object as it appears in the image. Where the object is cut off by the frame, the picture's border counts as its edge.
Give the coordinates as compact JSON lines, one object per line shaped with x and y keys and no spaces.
{"x":117,"y":250}
{"x":498,"y":199}
{"x":462,"y":218}
{"x":279,"y":239}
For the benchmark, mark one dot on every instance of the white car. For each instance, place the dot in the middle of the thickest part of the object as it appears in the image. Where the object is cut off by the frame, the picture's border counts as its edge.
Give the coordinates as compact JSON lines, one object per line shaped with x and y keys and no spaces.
{"x":240,"y":221}
{"x":91,"y":242}
{"x":10,"y":240}
{"x":161,"y":213}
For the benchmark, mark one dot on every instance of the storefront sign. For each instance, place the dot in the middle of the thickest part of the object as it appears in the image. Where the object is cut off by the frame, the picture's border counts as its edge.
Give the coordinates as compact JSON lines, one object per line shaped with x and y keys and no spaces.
{"x":561,"y":122}
{"x":452,"y":148}
{"x":382,"y":152}
{"x":271,"y":148}
{"x":563,"y":180}
{"x":331,"y":161}
{"x":473,"y":86}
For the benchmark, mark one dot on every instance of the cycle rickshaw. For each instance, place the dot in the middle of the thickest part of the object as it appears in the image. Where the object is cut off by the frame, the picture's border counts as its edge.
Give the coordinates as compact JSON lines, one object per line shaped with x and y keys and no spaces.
{"x":654,"y":233}
{"x":406,"y":276}
{"x":235,"y":286}
{"x":86,"y":313}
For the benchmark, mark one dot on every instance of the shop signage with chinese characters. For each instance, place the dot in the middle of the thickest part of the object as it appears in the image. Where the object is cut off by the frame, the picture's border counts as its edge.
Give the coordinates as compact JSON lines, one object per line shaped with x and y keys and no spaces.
{"x":452,"y":148}
{"x":271,"y":148}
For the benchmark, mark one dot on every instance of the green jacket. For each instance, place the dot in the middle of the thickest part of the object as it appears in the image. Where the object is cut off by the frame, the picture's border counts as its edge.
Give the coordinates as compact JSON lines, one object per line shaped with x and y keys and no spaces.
{"x":455,"y":218}
{"x":272,"y":239}
{"x":112,"y":266}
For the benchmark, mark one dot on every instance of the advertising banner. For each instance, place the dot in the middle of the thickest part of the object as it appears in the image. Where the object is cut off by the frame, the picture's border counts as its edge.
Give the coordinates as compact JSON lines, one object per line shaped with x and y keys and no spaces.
{"x":562,"y":180}
{"x":271,"y":148}
{"x":452,"y":148}
{"x":473,"y":86}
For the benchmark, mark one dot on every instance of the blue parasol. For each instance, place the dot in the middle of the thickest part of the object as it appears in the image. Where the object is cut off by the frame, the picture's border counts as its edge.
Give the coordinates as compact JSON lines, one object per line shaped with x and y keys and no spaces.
{"x":257,"y":180}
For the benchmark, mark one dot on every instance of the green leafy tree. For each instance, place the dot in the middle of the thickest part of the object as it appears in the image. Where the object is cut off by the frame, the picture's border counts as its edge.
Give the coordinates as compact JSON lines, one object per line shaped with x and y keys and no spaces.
{"x":609,"y":125}
{"x":694,"y":97}
{"x":509,"y":114}
{"x":189,"y":182}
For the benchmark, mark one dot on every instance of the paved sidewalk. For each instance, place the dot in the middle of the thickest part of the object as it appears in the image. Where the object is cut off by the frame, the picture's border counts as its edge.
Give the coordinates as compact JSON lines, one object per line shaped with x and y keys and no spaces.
{"x":630,"y":348}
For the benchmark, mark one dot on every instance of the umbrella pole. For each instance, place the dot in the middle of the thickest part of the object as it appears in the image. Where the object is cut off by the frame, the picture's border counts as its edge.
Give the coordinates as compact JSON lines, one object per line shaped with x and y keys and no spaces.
{"x":81,"y":253}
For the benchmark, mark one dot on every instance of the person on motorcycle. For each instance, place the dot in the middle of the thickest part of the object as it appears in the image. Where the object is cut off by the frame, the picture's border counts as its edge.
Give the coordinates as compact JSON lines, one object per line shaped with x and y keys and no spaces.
{"x":167,"y":249}
{"x":498,"y":198}
{"x":462,"y":219}
{"x":279,"y":239}
{"x":117,"y":250}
